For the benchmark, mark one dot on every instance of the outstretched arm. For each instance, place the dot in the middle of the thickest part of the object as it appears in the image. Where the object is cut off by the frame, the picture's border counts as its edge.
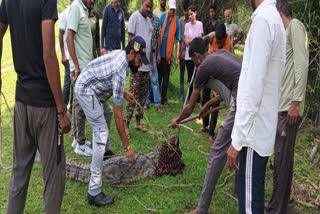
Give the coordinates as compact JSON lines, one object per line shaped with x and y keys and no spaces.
{"x":53,"y":74}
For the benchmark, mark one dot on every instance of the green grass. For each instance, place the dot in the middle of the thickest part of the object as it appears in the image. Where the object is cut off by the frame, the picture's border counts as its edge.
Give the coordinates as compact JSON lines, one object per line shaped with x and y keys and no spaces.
{"x":165,"y":200}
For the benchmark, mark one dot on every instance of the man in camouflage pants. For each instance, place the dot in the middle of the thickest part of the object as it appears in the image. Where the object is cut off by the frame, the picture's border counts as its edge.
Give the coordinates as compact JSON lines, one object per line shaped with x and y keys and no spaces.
{"x":140,"y":25}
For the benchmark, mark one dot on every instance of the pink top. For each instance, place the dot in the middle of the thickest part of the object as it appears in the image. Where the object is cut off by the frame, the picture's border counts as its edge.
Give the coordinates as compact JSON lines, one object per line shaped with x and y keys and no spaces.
{"x":192,"y":31}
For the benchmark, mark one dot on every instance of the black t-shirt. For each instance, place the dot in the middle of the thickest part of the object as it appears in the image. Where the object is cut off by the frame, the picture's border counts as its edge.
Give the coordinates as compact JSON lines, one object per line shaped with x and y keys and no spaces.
{"x":24,"y":18}
{"x":210,"y":28}
{"x":221,"y":65}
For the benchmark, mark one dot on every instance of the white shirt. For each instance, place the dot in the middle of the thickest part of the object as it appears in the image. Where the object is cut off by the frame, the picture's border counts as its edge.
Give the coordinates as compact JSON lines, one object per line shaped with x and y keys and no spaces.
{"x":63,"y":26}
{"x":259,"y":83}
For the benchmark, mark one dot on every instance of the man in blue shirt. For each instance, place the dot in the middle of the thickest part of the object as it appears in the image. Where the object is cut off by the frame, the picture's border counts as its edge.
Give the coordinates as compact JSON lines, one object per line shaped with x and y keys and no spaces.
{"x":170,"y":31}
{"x":113,"y":28}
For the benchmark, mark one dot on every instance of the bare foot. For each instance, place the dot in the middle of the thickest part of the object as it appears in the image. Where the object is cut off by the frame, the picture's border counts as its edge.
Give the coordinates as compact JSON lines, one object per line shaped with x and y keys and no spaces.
{"x":195,"y":211}
{"x":203,"y":129}
{"x":211,"y":139}
{"x":140,"y":127}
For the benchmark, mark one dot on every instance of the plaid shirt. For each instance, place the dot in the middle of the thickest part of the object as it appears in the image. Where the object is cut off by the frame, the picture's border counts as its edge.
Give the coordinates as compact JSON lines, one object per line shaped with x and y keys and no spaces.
{"x":156,"y":31}
{"x":104,"y":77}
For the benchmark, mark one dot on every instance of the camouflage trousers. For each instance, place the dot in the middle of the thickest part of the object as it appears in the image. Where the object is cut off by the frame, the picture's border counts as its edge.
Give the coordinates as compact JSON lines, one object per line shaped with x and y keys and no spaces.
{"x":78,"y":121}
{"x":139,"y":87}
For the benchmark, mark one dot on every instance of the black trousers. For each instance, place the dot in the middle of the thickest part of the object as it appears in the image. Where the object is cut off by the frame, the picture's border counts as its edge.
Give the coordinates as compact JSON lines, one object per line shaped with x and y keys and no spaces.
{"x":206,"y":96}
{"x":251,"y":177}
{"x":283,"y":165}
{"x":163,"y":75}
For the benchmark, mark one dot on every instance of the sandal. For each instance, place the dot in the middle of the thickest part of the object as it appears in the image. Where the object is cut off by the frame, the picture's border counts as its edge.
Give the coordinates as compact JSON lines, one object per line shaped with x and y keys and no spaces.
{"x":160,"y":110}
{"x":141,"y":128}
{"x":203,"y":129}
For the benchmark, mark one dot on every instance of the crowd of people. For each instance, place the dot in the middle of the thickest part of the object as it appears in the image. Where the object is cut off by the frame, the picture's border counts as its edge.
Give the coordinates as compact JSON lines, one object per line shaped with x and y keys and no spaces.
{"x":265,"y":92}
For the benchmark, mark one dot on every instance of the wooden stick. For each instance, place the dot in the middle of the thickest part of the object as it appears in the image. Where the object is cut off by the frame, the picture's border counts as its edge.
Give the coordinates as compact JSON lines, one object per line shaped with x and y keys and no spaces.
{"x":205,"y":114}
{"x":186,"y":127}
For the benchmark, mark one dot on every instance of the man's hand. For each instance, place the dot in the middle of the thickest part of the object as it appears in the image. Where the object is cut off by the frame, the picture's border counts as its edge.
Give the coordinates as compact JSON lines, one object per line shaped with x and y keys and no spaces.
{"x":177,"y":62}
{"x":103,"y":51}
{"x":293,"y":113}
{"x":158,"y":58}
{"x":232,"y":158}
{"x":64,"y":60}
{"x":76,"y":73}
{"x":64,"y":123}
{"x":129,"y":97}
{"x":174,"y":124}
{"x":130,"y":155}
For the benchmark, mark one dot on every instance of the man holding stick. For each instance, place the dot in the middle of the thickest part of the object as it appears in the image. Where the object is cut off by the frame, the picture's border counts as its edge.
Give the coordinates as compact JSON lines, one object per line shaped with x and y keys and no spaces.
{"x":219,"y":71}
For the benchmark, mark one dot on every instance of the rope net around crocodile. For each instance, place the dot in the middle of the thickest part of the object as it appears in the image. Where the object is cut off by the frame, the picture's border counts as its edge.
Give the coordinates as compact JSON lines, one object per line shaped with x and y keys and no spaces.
{"x":167,"y":160}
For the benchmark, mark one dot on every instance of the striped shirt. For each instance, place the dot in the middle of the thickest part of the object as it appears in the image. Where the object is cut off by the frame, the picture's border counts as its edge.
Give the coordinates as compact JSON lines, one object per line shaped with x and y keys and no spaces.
{"x":104,"y":77}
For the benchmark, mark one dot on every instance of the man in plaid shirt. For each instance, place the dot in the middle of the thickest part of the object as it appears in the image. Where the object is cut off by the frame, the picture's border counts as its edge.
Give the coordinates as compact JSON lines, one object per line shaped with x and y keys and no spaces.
{"x":102,"y":78}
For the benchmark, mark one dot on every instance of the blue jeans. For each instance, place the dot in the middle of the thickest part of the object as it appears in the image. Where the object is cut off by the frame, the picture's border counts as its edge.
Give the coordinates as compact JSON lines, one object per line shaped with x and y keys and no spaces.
{"x":154,"y":85}
{"x":98,"y":115}
{"x":66,"y":85}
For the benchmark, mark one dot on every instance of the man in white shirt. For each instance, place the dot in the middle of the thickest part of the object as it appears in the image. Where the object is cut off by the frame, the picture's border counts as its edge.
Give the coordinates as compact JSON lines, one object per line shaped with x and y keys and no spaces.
{"x":254,"y":130}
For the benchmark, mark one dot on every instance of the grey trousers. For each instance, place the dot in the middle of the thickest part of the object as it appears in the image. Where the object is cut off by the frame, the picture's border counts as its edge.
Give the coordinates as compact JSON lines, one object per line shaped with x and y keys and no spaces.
{"x":217,"y":160}
{"x":98,"y":115}
{"x":283,"y":165}
{"x":36,"y":128}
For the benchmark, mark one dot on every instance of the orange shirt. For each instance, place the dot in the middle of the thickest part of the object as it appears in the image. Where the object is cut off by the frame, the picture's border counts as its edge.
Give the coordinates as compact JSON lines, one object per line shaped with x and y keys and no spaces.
{"x":214,"y":45}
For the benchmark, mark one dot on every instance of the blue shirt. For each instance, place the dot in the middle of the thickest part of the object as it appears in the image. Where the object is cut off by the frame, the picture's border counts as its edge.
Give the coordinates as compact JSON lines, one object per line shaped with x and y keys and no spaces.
{"x":104,"y":77}
{"x":166,"y":32}
{"x":113,"y":29}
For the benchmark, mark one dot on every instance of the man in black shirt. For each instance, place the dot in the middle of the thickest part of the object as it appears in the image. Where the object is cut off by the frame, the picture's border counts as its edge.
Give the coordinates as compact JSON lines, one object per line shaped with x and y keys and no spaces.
{"x":40,"y":118}
{"x":211,"y":26}
{"x":219,"y":71}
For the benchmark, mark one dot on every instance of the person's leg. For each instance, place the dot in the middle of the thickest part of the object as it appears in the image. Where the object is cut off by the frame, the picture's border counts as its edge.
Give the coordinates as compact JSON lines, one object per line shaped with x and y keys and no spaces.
{"x":142,"y":91}
{"x":190,"y":69}
{"x":131,"y":106}
{"x":94,"y":112}
{"x":283,"y":165}
{"x":155,"y":83}
{"x":251,"y":181}
{"x":66,"y":85}
{"x":165,"y":83}
{"x":216,"y":162}
{"x":51,"y":148}
{"x":182,"y":70}
{"x":160,"y":75}
{"x":80,"y":120}
{"x":205,"y":98}
{"x":213,"y":121}
{"x":108,"y":116}
{"x":24,"y":150}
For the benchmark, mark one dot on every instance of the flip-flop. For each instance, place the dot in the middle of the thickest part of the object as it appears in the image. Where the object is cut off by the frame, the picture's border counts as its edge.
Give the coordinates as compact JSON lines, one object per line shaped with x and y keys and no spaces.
{"x":141,"y":128}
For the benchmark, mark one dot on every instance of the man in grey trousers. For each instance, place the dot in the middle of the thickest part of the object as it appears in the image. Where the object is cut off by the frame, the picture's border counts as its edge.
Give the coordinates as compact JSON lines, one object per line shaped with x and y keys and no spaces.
{"x":40,"y":117}
{"x":291,"y":107}
{"x":219,"y":71}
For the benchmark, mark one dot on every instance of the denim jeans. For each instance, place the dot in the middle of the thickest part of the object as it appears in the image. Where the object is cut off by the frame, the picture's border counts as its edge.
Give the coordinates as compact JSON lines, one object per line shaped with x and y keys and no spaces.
{"x":154,"y":85}
{"x":97,"y":114}
{"x":66,"y":85}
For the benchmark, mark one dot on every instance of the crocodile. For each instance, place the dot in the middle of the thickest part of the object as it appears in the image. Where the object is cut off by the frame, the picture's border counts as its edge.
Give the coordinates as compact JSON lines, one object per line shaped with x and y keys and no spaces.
{"x":166,"y":160}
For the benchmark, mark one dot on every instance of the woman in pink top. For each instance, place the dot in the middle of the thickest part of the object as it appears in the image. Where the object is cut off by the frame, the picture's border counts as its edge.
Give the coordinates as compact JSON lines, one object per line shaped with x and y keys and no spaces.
{"x":192,"y":30}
